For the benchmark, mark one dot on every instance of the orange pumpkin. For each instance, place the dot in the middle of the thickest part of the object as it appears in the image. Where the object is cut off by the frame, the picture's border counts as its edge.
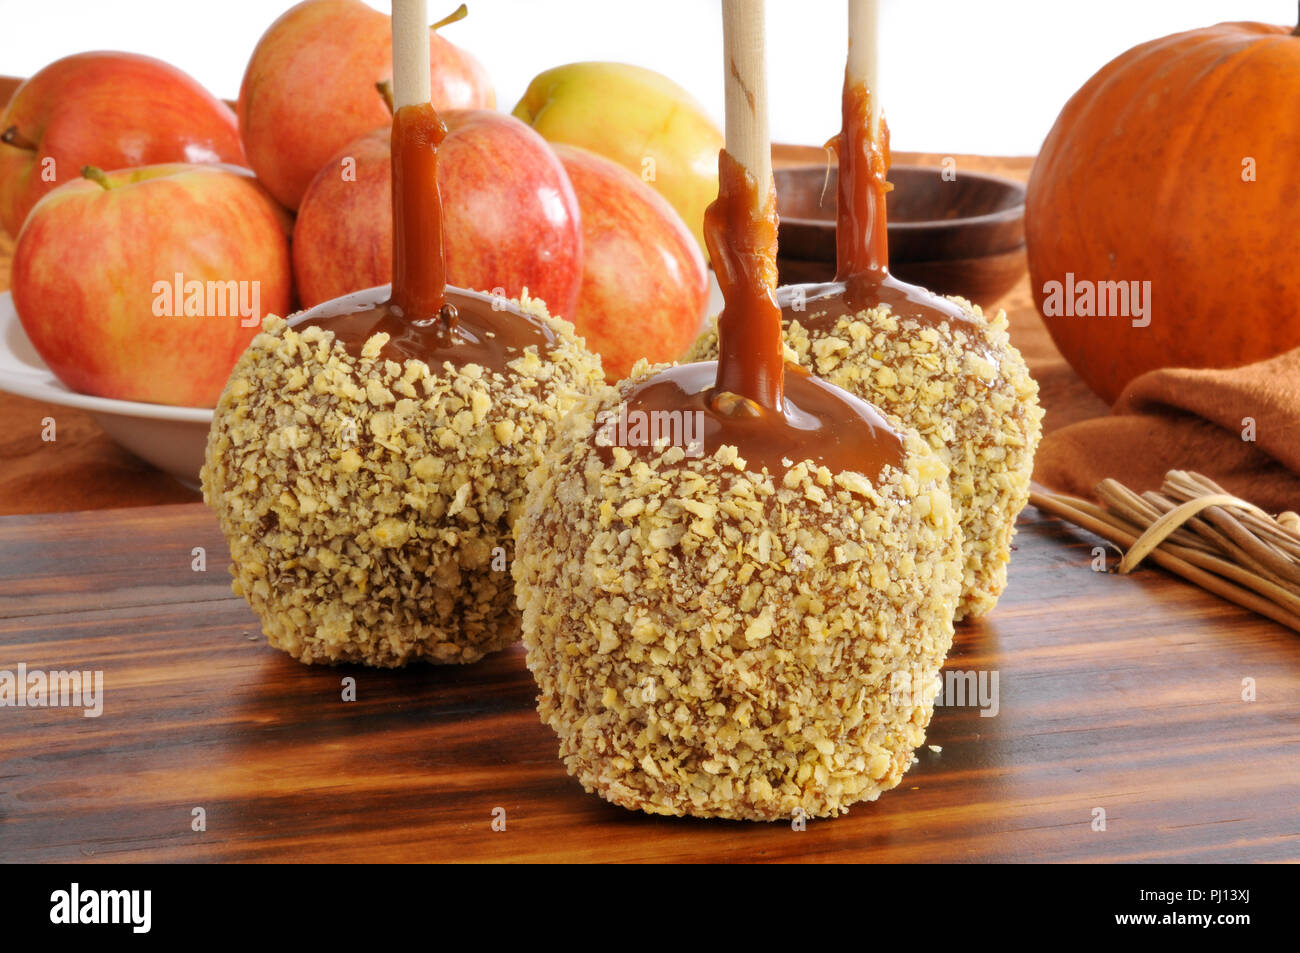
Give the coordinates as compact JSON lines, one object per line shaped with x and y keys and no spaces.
{"x":1177,"y":165}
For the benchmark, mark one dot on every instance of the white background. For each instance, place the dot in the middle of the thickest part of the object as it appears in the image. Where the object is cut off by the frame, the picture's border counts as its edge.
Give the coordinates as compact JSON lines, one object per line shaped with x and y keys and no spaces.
{"x":982,"y":76}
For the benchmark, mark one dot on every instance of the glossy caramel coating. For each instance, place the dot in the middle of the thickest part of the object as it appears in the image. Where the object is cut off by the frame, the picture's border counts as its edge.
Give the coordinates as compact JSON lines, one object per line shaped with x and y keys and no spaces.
{"x":477,"y":329}
{"x":861,"y":230}
{"x":367,"y":463}
{"x":776,"y":415}
{"x":961,"y":385}
{"x":740,"y":231}
{"x":368,"y":503}
{"x":823,"y":304}
{"x":715,"y":640}
{"x":933,"y":364}
{"x":419,"y":258}
{"x":424,"y":319}
{"x":862,"y":278}
{"x":818,"y":422}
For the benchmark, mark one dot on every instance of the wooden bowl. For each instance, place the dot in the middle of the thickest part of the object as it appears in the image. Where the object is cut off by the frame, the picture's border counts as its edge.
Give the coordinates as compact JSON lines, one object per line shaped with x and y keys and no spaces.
{"x":964,"y":236}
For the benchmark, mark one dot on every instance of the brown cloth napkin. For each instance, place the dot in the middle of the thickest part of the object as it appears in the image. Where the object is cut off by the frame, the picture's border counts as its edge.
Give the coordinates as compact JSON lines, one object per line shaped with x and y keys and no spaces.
{"x":1240,"y":427}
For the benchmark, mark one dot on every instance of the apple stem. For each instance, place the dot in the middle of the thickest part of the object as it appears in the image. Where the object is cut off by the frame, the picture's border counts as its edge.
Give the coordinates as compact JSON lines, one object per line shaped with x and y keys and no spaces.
{"x":96,"y":175}
{"x":460,"y":13}
{"x":12,"y":137}
{"x":385,"y":87}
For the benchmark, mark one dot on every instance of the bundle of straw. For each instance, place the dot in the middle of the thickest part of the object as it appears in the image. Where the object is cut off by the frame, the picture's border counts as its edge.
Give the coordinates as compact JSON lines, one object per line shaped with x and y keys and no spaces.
{"x":1195,"y":529}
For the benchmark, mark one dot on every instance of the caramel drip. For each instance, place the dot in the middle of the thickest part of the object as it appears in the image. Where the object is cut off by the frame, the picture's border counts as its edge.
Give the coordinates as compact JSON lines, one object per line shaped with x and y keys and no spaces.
{"x":862,"y":278}
{"x":861,"y":226}
{"x":774,"y":413}
{"x":419,"y":259}
{"x":818,"y":422}
{"x":425,"y":319}
{"x":819,"y":306}
{"x":488,"y":330}
{"x":740,"y":232}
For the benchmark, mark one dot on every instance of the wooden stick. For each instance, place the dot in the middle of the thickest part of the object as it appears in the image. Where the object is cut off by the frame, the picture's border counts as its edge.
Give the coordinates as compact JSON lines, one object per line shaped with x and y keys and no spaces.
{"x":744,"y":38}
{"x":1143,"y":511}
{"x":1133,"y":529}
{"x":410,"y":53}
{"x":864,"y":55}
{"x":1209,"y":562}
{"x":1218,"y":543}
{"x":1181,"y":485}
{"x":1129,"y":517}
{"x":1226,"y":530}
{"x":1162,"y":527}
{"x":1062,"y":506}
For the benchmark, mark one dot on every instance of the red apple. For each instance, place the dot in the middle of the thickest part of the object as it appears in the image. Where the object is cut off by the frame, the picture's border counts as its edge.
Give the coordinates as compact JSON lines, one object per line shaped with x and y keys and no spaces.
{"x":644,"y":283}
{"x":111,"y":110}
{"x":309,"y":89}
{"x":509,"y":214}
{"x":146,"y":284}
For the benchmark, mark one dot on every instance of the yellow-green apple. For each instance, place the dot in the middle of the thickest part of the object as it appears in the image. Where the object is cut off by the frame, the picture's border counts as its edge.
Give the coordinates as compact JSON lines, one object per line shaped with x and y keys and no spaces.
{"x":644,"y":282}
{"x":146,"y":284}
{"x":510,"y":218}
{"x":309,"y":88}
{"x":639,"y":118}
{"x":111,"y":110}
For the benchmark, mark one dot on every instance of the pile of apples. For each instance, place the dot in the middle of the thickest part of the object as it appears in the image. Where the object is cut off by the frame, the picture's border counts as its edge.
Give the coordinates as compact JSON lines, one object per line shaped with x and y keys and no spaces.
{"x":155,"y":226}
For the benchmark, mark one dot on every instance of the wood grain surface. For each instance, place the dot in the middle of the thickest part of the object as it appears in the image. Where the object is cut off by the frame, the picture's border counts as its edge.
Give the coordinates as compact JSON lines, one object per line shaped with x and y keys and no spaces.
{"x":1114,"y":693}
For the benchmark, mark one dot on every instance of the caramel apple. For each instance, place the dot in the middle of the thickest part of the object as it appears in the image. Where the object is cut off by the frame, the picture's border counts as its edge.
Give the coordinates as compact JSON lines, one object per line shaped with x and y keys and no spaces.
{"x":720,"y":607}
{"x":938,"y":365}
{"x":367,"y":458}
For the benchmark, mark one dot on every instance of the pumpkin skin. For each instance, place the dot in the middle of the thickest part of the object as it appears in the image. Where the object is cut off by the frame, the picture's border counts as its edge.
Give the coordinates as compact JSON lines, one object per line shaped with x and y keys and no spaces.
{"x":1141,"y":179}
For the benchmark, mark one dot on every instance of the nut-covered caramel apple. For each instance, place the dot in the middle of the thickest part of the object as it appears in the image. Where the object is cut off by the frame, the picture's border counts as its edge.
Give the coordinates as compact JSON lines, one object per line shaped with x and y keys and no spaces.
{"x":938,"y":365}
{"x":727,"y":570}
{"x":367,"y":459}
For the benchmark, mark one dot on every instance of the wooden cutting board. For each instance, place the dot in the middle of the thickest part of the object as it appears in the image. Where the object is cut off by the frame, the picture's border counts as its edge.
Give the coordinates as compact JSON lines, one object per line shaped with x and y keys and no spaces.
{"x":1115,"y":693}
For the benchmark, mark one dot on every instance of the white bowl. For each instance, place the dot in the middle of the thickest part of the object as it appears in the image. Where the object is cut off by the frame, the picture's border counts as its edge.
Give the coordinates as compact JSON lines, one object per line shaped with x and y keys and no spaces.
{"x":171,"y":438}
